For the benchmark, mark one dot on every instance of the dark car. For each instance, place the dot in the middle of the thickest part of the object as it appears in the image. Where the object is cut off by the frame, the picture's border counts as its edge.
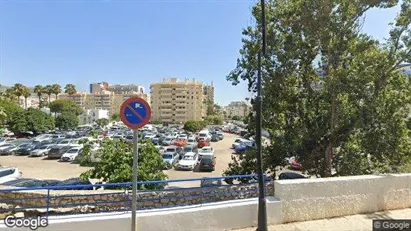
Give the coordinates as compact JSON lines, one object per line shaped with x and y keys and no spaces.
{"x":188,"y":149}
{"x":215,"y":137}
{"x":207,"y":163}
{"x":57,"y":151}
{"x":25,"y":149}
{"x":290,"y":175}
{"x":211,"y":182}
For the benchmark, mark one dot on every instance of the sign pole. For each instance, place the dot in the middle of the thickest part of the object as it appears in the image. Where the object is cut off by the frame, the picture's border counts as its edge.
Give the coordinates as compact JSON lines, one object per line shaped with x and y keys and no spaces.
{"x":134,"y":199}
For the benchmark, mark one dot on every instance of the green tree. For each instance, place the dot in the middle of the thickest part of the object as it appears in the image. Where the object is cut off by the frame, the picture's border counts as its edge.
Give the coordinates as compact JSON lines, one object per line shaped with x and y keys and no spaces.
{"x":236,"y":118}
{"x":30,"y":120}
{"x":117,"y":161}
{"x":115,"y":117}
{"x":48,"y":89}
{"x":63,"y":105}
{"x":38,"y":89}
{"x":67,"y":120}
{"x":194,"y":126}
{"x":330,"y":92}
{"x":26,"y":93}
{"x":102,"y":122}
{"x":56,"y":89}
{"x":213,"y":120}
{"x":3,"y":116}
{"x":18,"y":90}
{"x":70,"y":89}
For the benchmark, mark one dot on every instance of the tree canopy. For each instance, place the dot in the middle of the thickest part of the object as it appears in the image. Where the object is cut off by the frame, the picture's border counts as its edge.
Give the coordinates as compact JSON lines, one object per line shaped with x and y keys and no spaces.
{"x":30,"y":120}
{"x":63,"y":105}
{"x":194,"y":126}
{"x":67,"y":120}
{"x":332,"y":96}
{"x":117,"y":161}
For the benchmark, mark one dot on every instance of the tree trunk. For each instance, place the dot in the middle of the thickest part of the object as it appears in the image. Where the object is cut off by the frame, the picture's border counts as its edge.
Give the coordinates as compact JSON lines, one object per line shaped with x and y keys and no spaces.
{"x":329,"y":148}
{"x":39,"y":101}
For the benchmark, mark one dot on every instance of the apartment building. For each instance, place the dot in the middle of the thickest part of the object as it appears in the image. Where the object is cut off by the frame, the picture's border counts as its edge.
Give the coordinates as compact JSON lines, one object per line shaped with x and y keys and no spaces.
{"x":89,"y":116}
{"x":108,"y":101}
{"x":98,"y":88}
{"x":174,"y":101}
{"x":126,"y":89}
{"x":238,"y":108}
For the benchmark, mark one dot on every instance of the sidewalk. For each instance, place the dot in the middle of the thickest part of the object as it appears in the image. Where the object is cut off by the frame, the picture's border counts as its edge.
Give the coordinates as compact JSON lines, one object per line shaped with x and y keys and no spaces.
{"x":362,"y":222}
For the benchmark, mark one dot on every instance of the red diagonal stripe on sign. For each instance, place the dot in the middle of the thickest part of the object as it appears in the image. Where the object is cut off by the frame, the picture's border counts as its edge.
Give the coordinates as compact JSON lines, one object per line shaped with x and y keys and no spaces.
{"x":135,"y":112}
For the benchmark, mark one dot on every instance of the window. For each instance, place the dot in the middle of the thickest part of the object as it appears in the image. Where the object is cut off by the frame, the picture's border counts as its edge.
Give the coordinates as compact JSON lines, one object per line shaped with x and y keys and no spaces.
{"x":7,"y":172}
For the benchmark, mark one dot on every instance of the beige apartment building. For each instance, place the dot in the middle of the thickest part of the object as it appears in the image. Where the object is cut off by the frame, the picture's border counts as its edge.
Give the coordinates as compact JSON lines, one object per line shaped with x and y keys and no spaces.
{"x":238,"y":108}
{"x":108,"y":101}
{"x":174,"y":101}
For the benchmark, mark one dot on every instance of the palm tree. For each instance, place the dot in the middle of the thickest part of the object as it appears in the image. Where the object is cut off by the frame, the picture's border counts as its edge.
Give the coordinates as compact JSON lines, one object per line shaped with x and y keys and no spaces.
{"x":8,"y":94}
{"x":26,"y":93}
{"x":48,"y":90}
{"x":56,"y":89}
{"x":38,"y":89}
{"x":70,"y":89}
{"x":18,"y":90}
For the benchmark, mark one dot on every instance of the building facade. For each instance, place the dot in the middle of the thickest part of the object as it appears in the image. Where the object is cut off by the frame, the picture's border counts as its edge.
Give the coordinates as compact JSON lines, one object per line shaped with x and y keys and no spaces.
{"x":108,"y":101}
{"x":127,"y":89}
{"x":174,"y":101}
{"x":89,"y":116}
{"x":97,"y":88}
{"x":239,"y":108}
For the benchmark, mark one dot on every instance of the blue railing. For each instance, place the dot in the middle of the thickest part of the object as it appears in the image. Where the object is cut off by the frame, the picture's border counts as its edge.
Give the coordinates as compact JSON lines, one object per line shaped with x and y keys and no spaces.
{"x":74,"y":199}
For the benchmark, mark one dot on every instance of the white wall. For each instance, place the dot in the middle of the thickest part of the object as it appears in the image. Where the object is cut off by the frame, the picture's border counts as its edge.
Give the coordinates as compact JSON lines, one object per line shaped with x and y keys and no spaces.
{"x":295,"y":200}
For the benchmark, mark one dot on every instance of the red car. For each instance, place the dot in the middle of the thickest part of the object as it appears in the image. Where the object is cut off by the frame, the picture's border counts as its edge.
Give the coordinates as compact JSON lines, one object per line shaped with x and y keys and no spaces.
{"x":202,"y":143}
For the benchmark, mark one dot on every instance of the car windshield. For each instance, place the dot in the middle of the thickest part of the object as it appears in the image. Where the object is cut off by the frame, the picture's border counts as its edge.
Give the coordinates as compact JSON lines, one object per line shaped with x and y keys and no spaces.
{"x":167,"y":156}
{"x":188,"y":157}
{"x":188,"y":149}
{"x":206,"y":160}
{"x":6,"y":145}
{"x":74,"y":150}
{"x":203,"y":135}
{"x":43,"y":147}
{"x":205,"y":150}
{"x":170,"y":150}
{"x":23,"y":145}
{"x":64,"y":142}
{"x":190,"y":140}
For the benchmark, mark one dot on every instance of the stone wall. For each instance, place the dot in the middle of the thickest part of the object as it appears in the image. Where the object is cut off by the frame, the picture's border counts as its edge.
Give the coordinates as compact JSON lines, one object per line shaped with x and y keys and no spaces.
{"x":100,"y":201}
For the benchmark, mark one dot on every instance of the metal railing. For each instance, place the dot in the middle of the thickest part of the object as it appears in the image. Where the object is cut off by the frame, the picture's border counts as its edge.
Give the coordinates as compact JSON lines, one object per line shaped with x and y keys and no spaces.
{"x":116,"y":197}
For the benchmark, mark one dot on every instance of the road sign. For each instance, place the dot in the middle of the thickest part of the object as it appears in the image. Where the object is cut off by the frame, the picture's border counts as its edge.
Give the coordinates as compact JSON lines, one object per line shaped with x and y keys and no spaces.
{"x":135,"y":112}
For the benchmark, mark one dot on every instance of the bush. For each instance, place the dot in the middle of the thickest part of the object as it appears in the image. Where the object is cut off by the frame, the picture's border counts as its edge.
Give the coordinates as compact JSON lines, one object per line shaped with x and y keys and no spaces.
{"x":194,"y":126}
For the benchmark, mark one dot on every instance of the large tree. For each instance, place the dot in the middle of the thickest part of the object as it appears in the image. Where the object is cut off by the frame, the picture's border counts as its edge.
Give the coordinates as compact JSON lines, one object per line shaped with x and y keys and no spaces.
{"x":63,"y":105}
{"x":330,"y":91}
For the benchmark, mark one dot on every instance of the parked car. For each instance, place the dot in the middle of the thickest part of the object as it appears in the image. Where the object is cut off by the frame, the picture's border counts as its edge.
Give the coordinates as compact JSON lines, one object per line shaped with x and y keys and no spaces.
{"x":191,"y":141}
{"x":57,"y":151}
{"x":180,"y":142}
{"x":168,"y":141}
{"x":41,"y":150}
{"x":214,"y":137}
{"x":220,"y":135}
{"x":188,"y":162}
{"x":291,"y":175}
{"x":238,"y":141}
{"x":187,"y":149}
{"x":8,"y":174}
{"x":24,"y":149}
{"x":170,"y":159}
{"x":211,"y":182}
{"x":6,"y":140}
{"x":241,"y":148}
{"x":7,"y":149}
{"x":203,"y":143}
{"x":71,"y":154}
{"x":206,"y":151}
{"x":207,"y":163}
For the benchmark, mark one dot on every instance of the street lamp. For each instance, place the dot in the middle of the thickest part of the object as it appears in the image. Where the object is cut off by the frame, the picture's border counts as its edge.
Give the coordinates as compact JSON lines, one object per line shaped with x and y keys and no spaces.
{"x":262,"y":205}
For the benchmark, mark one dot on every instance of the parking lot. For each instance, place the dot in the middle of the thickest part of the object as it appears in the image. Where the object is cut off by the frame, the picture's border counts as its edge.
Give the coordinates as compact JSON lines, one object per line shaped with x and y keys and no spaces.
{"x":39,"y":168}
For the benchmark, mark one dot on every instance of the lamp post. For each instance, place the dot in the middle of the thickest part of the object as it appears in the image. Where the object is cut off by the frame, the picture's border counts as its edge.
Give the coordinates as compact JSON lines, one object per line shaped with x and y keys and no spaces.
{"x":262,"y":205}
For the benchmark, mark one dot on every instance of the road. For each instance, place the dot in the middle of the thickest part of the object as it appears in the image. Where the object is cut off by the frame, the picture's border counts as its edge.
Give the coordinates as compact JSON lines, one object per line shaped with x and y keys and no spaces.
{"x":37,"y":167}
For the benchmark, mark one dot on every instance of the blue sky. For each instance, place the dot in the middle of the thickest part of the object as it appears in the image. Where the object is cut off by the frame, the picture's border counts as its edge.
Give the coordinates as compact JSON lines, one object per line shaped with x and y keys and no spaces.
{"x":137,"y":42}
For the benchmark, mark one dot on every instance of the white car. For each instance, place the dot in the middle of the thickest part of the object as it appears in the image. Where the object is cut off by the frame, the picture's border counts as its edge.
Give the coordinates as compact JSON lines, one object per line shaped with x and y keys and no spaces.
{"x":237,"y":142}
{"x":71,"y":154}
{"x":6,"y":140}
{"x":9,"y":174}
{"x":191,"y":142}
{"x":183,"y":136}
{"x":209,"y":151}
{"x":189,"y":161}
{"x":5,"y":146}
{"x":42,"y":150}
{"x":149,"y":136}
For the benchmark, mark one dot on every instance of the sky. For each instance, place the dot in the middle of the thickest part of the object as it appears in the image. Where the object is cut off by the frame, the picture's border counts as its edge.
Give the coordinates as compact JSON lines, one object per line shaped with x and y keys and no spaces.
{"x":131,"y":42}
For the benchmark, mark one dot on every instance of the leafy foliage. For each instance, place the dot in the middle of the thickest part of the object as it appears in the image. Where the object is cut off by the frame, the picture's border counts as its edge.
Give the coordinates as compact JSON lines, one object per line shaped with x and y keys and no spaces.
{"x":30,"y":120}
{"x":115,"y":117}
{"x":63,"y":105}
{"x":330,"y":92}
{"x":194,"y":126}
{"x":102,"y":122}
{"x":213,"y":120}
{"x":117,"y":161}
{"x":67,"y":120}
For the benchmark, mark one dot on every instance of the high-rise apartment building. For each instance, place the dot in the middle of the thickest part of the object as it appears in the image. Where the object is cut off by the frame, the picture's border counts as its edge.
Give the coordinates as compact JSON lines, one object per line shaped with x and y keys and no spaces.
{"x":107,"y":101}
{"x":238,"y":108}
{"x":97,"y":88}
{"x":175,"y":101}
{"x":126,"y":89}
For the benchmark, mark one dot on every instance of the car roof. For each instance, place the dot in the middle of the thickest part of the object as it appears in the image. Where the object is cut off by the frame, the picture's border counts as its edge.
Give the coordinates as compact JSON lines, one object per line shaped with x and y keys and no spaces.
{"x":189,"y":154}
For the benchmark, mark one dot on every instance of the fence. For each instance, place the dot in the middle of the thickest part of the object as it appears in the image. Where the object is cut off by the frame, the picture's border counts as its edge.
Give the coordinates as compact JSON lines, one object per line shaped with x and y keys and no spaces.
{"x":59,"y":200}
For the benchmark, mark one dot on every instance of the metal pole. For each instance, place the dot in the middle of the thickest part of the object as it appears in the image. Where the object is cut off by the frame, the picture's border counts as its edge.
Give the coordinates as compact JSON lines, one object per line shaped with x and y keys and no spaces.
{"x":262,"y":205}
{"x":134,"y":194}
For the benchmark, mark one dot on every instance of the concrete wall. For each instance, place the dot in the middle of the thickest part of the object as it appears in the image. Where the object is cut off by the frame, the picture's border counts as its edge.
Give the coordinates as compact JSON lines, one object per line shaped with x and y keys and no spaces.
{"x":93,"y":201}
{"x":310,"y":199}
{"x":294,"y":200}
